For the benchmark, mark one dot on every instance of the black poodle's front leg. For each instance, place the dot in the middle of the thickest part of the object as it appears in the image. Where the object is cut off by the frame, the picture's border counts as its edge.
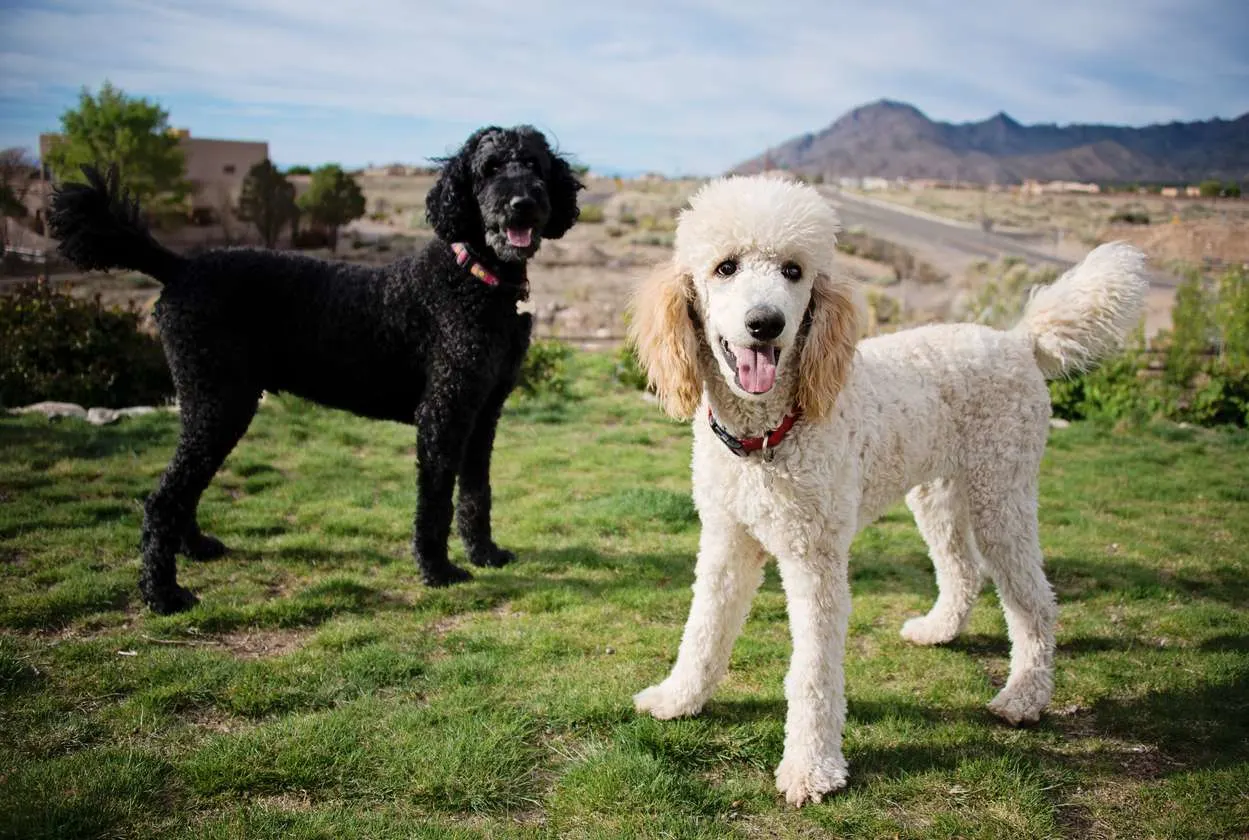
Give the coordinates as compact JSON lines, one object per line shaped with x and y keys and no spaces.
{"x":442,"y":434}
{"x":473,"y":510}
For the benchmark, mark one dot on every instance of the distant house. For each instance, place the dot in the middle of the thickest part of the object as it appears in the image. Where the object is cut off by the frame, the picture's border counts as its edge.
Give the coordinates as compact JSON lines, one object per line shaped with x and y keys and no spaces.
{"x":1192,"y":192}
{"x":1170,"y":192}
{"x":215,"y":168}
{"x":1034,"y":187}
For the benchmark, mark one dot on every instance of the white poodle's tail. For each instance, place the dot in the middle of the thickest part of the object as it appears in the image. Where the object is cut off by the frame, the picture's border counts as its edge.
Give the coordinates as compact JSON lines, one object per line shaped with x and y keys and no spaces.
{"x":1083,"y":317}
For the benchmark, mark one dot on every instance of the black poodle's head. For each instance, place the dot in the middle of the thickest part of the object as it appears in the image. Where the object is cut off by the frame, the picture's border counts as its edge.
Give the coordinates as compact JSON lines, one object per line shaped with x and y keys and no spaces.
{"x":505,"y":190}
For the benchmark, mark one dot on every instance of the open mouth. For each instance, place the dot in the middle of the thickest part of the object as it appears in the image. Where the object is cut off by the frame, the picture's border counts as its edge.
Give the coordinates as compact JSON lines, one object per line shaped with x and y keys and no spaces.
{"x":755,"y":365}
{"x":519,"y":237}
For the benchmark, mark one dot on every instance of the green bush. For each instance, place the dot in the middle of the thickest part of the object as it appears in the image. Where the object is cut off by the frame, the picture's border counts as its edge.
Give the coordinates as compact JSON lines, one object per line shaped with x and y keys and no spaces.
{"x":57,"y":347}
{"x":1197,"y":373}
{"x":591,"y":214}
{"x":545,"y":369}
{"x":1002,"y":289}
{"x":1130,"y":217}
{"x":628,"y":371}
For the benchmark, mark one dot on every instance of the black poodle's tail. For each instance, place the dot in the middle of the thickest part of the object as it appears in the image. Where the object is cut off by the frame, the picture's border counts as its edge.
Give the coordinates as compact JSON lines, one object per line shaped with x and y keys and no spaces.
{"x":99,"y":227}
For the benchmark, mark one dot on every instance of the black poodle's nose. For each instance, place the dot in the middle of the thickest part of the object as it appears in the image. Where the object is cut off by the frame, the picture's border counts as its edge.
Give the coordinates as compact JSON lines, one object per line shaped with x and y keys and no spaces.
{"x":765,"y":322}
{"x":523,"y":205}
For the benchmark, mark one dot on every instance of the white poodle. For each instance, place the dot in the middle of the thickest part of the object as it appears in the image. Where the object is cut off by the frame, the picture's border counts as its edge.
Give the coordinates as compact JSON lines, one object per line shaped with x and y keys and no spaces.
{"x":803,"y":436}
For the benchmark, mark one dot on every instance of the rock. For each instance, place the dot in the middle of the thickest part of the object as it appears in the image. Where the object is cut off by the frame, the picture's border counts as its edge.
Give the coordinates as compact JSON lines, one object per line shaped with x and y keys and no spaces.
{"x":102,"y":416}
{"x":139,"y":410}
{"x":1059,"y":423}
{"x":54,"y":410}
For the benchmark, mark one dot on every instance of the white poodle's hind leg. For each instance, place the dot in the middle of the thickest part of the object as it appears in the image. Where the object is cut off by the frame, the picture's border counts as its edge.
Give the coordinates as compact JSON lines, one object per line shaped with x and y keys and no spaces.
{"x":1005,"y":526}
{"x":941,"y":513}
{"x":729,"y":571}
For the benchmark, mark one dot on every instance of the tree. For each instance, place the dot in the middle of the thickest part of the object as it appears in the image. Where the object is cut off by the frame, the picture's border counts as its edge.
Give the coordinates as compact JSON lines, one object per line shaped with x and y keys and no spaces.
{"x":267,"y":200}
{"x":133,"y":133}
{"x":1210,"y":188}
{"x":1231,"y":190}
{"x":333,"y":199}
{"x":299,"y":169}
{"x":16,"y":171}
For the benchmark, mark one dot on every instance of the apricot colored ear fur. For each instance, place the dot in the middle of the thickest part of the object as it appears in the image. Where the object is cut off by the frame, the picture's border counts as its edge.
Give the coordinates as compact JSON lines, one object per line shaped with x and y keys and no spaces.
{"x":666,"y":340}
{"x":828,"y":348}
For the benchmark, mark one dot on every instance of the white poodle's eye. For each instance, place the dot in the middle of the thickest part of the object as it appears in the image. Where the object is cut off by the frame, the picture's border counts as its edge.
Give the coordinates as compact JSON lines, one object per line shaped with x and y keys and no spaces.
{"x":791,"y":271}
{"x":727,"y":268}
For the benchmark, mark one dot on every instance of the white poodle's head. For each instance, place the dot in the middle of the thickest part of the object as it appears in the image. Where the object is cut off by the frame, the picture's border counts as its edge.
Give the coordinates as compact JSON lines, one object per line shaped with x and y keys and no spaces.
{"x":750,"y":280}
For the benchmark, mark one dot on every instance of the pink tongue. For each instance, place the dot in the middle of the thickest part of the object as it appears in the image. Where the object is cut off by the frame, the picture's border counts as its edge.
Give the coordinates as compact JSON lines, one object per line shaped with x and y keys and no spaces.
{"x":756,"y":369}
{"x":520,"y":237}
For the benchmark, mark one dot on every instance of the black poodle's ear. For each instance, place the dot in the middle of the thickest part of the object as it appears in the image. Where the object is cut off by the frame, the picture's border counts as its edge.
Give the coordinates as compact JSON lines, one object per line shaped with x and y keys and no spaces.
{"x":450,"y":206}
{"x":563,"y":186}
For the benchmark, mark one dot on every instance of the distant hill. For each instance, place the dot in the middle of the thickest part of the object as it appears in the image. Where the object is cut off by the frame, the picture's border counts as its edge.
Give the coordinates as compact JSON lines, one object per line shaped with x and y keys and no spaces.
{"x":896,"y":140}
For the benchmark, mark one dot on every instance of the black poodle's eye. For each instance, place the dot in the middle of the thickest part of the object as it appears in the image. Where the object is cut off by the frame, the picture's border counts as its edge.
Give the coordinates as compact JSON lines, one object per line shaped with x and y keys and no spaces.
{"x":791,"y":271}
{"x":490,"y":167}
{"x":727,"y":268}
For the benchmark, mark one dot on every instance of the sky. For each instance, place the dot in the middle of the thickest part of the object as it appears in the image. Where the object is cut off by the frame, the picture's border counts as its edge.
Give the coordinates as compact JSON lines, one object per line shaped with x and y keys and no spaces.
{"x":675,"y":86}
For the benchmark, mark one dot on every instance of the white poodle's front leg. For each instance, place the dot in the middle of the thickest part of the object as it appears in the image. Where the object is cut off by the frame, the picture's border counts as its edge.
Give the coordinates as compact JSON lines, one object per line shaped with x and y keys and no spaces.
{"x":729,"y":570}
{"x":817,"y":593}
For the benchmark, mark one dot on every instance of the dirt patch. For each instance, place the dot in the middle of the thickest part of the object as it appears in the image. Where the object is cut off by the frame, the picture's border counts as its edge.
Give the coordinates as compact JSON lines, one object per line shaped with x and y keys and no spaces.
{"x":1211,"y":241}
{"x":298,"y":801}
{"x":259,"y":644}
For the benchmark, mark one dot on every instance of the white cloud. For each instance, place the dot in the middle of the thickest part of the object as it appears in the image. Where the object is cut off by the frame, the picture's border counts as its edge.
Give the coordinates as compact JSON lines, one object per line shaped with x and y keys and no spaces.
{"x":694,"y":85}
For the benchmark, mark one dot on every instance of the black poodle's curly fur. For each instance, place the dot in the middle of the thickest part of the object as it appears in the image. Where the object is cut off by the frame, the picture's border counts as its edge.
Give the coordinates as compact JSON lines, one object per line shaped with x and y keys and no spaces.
{"x":419,"y":341}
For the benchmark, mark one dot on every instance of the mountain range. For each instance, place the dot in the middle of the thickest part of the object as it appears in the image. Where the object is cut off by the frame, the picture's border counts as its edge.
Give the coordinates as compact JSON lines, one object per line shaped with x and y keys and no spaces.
{"x":896,"y":140}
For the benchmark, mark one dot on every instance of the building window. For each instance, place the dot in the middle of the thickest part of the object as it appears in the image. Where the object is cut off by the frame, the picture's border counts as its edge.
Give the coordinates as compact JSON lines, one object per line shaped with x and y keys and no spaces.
{"x":228,"y":169}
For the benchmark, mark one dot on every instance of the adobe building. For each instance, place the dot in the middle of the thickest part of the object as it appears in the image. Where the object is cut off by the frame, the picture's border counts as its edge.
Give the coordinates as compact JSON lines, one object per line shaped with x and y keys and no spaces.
{"x":215,"y":168}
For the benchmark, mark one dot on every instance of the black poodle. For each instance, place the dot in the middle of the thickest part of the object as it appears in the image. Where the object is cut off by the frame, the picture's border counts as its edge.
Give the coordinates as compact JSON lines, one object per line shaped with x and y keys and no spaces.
{"x":433,"y":339}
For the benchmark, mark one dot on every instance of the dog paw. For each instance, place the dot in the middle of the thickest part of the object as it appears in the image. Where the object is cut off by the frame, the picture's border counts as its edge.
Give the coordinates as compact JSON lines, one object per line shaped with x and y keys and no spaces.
{"x":201,"y":547}
{"x":493,"y":557}
{"x":446,"y":576}
{"x":927,"y":630}
{"x":170,"y":600}
{"x":1024,"y":697}
{"x":665,"y":702}
{"x":809,"y":780}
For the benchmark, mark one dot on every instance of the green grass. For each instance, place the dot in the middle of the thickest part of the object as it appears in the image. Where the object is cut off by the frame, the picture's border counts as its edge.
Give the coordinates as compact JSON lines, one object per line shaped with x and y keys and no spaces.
{"x":319,"y":691}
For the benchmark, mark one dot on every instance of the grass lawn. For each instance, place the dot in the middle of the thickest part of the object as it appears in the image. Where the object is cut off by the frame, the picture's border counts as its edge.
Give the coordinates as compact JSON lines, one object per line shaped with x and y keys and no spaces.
{"x":319,"y":691}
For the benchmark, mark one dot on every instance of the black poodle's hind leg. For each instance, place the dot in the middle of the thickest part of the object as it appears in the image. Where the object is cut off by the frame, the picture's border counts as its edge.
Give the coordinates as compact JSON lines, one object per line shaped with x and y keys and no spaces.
{"x":211,"y":426}
{"x":473,"y":509}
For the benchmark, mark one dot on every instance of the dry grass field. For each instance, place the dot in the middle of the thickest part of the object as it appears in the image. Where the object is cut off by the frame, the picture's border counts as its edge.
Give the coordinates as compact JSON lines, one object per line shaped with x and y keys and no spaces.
{"x":1183,"y":230}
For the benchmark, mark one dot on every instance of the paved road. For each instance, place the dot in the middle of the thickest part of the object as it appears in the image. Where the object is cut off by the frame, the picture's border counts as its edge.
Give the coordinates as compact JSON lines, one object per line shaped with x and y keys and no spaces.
{"x":925,"y":231}
{"x":948,"y":243}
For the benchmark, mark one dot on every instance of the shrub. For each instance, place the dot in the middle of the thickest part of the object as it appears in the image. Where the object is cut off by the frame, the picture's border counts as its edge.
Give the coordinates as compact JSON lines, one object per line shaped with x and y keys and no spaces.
{"x":591,"y":214}
{"x":1003,"y":290}
{"x":628,"y":371}
{"x":544,"y":372}
{"x":56,"y":347}
{"x":1203,"y":375}
{"x":1130,"y":217}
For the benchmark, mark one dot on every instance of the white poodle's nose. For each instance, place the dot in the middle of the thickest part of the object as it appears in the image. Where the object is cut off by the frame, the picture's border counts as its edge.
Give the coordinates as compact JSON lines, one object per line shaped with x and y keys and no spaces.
{"x":765,"y":322}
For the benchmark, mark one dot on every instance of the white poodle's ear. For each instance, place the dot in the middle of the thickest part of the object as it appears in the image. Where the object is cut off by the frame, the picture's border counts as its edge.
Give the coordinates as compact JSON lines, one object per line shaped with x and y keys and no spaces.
{"x":828,"y":348}
{"x":666,"y":340}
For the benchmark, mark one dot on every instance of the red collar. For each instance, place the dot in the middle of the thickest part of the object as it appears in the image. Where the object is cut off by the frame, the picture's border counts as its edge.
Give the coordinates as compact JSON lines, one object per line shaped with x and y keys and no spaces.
{"x":744,"y":446}
{"x":464,"y":258}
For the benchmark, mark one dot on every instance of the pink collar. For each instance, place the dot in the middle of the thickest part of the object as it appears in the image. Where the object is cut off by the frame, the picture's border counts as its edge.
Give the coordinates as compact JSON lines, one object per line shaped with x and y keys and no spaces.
{"x":464,"y":258}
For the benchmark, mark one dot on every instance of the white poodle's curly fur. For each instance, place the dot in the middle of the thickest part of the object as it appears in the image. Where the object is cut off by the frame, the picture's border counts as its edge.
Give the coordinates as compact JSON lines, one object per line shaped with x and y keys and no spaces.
{"x":953,"y":417}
